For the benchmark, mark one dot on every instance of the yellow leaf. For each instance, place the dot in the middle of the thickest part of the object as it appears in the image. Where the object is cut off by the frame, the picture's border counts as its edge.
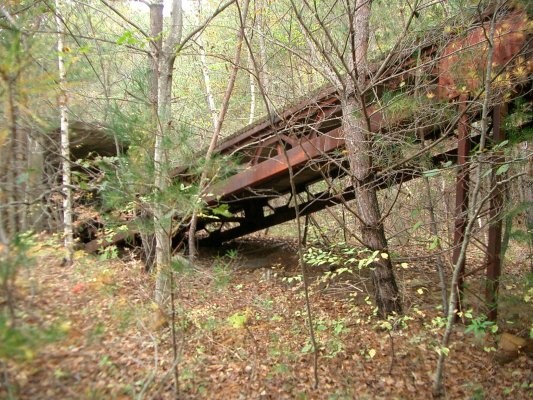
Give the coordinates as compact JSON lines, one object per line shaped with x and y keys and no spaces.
{"x":430,"y":95}
{"x":65,"y":326}
{"x":385,"y":256}
{"x":79,"y":254}
{"x":371,"y":353}
{"x":420,"y":291}
{"x":29,"y":354}
{"x":404,"y":265}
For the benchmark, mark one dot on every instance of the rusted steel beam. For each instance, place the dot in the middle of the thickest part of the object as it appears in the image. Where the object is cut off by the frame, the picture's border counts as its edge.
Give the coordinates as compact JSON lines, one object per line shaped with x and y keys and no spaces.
{"x":495,"y":228}
{"x":463,"y":55}
{"x":302,"y":111}
{"x":460,"y":57}
{"x":316,"y":117}
{"x":461,"y":194}
{"x":279,"y":165}
{"x":319,"y":201}
{"x":309,"y":148}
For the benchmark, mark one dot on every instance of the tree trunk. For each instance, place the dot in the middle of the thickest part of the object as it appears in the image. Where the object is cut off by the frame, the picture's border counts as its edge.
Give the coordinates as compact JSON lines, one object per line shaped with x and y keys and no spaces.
{"x":218,"y":120}
{"x":162,"y":216}
{"x":263,"y":73}
{"x":358,"y":138}
{"x":146,"y":212}
{"x":527,"y":189}
{"x":252,"y":90}
{"x":65,"y":145}
{"x":372,"y":230}
{"x":21,"y":148}
{"x":10,"y":161}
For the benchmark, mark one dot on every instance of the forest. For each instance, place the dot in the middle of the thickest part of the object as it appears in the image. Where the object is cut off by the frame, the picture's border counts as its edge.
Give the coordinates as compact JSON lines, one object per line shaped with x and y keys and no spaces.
{"x":266,"y":199}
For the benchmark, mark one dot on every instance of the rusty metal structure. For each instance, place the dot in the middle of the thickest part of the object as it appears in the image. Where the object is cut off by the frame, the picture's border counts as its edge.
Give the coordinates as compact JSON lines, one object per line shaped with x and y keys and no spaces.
{"x":305,"y":142}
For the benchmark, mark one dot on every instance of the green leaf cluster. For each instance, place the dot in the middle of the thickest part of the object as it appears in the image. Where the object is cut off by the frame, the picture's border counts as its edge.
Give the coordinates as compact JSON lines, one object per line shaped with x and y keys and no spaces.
{"x":21,"y":342}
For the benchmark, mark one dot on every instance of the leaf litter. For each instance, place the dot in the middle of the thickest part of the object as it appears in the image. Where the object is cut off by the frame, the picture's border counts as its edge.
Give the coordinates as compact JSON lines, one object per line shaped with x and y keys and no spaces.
{"x":242,"y":334}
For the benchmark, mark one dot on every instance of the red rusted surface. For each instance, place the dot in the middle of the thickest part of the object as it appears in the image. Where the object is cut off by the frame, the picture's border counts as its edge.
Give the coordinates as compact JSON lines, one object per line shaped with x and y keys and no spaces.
{"x":495,"y":229}
{"x":462,"y":64}
{"x":306,"y":111}
{"x":270,"y":169}
{"x":309,"y":133}
{"x":461,"y":194}
{"x":464,"y":61}
{"x":270,"y":162}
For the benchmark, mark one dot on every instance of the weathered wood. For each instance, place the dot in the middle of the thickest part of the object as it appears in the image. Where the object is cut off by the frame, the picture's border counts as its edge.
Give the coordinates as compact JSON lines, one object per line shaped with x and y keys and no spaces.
{"x":511,"y":347}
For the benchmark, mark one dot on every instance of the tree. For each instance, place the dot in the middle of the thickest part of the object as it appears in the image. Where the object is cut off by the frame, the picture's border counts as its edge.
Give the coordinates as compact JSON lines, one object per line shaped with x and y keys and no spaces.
{"x":218,"y":119}
{"x":65,"y":140}
{"x":13,"y":140}
{"x":163,"y":55}
{"x":358,"y":134}
{"x":496,"y":52}
{"x":353,"y":87}
{"x":164,"y":50}
{"x":22,"y":85}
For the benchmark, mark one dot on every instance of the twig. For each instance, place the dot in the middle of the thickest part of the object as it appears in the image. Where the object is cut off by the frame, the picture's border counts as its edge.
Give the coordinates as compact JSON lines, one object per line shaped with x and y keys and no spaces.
{"x":393,"y":355}
{"x":174,"y":342}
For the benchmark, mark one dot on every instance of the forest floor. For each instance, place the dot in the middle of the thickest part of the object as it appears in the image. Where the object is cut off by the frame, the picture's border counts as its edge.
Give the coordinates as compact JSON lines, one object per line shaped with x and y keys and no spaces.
{"x":92,"y":332}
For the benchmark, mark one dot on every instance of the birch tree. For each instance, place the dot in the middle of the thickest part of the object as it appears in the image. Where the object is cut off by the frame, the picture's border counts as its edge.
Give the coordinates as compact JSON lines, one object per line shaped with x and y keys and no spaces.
{"x":164,"y":51}
{"x":165,"y":47}
{"x":64,"y":128}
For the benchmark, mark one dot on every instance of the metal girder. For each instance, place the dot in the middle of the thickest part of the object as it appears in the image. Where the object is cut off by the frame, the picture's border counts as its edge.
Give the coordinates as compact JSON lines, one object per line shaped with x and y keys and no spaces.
{"x":495,"y":228}
{"x":316,"y":203}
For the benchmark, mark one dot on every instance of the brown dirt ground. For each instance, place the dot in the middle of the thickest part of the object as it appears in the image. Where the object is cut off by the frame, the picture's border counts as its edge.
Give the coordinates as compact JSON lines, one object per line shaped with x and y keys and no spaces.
{"x":242,"y":333}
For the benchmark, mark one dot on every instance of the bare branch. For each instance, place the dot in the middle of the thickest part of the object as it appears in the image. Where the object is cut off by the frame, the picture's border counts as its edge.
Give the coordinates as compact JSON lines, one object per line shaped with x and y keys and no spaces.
{"x":126,"y":19}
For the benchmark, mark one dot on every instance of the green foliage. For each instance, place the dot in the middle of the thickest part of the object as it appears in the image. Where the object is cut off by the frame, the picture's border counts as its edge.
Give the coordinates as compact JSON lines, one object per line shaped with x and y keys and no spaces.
{"x":516,"y":123}
{"x":108,"y":253}
{"x":22,"y":341}
{"x":180,"y":264}
{"x":238,"y":320}
{"x":128,"y":38}
{"x":342,"y":258}
{"x":221,"y":210}
{"x":12,"y":260}
{"x":399,"y":104}
{"x":437,"y":171}
{"x":222,"y":269}
{"x":394,"y":323}
{"x":16,"y":257}
{"x":520,"y":235}
{"x":479,"y":326}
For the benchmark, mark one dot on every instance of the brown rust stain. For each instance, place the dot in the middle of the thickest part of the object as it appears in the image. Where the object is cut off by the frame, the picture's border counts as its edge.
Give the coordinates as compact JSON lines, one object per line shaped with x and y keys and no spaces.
{"x":463,"y":65}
